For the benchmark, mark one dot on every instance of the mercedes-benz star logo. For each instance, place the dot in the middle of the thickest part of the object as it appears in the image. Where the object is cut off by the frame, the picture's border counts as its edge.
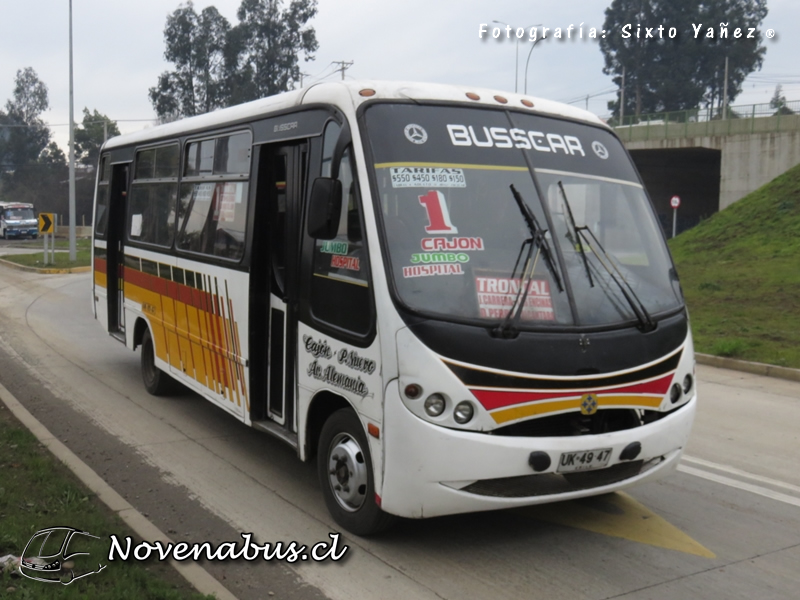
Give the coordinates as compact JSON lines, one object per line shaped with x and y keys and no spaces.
{"x":416,"y":134}
{"x":600,"y":150}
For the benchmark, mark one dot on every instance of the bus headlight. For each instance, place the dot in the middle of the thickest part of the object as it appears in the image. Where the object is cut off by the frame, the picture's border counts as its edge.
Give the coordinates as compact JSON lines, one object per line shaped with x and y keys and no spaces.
{"x":464,"y":412}
{"x":687,"y":383}
{"x":434,"y":405}
{"x":675,"y":393}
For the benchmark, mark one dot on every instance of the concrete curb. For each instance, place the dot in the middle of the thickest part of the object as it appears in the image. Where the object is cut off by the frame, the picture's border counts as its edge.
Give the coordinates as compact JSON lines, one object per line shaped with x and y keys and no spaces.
{"x":749,"y":367}
{"x":44,"y":271}
{"x":196,"y":575}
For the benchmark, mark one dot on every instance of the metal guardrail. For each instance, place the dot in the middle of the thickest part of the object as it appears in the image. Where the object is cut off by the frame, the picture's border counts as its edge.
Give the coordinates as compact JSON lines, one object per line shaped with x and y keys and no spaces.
{"x":737,"y":120}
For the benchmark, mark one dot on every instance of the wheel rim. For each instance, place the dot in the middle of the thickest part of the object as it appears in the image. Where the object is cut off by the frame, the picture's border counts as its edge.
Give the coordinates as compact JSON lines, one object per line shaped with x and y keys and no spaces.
{"x":347,"y":472}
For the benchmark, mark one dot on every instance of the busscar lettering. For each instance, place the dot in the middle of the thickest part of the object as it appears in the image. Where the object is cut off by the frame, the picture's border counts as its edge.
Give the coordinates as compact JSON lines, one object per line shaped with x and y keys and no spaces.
{"x":500,"y":137}
{"x":285,"y":127}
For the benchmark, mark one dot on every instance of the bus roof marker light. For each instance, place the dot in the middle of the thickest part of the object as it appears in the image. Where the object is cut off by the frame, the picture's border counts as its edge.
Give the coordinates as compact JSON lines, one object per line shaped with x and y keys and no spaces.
{"x":473,"y":96}
{"x":526,"y":102}
{"x":501,"y":99}
{"x":367,"y":92}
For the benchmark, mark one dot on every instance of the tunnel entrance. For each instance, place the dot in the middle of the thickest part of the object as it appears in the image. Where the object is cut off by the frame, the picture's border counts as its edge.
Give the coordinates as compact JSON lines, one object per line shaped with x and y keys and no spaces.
{"x":693,"y":174}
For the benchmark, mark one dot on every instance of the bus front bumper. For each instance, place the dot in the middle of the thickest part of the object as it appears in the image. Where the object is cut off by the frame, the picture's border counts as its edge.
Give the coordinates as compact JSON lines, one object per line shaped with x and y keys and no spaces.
{"x":21,"y":231}
{"x":431,"y":470}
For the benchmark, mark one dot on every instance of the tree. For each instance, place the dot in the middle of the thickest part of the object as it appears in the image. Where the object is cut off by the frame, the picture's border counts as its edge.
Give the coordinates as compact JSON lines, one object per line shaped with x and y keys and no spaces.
{"x":217,"y":65}
{"x":91,"y":134}
{"x":196,"y":45}
{"x":779,"y":102}
{"x":25,"y":135}
{"x":272,"y":40}
{"x":687,"y":70}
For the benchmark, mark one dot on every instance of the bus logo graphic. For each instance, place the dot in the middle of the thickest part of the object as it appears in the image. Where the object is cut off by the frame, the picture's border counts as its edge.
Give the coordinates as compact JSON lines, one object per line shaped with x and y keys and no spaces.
{"x":600,"y":150}
{"x":58,"y":567}
{"x":416,"y":134}
{"x":588,"y":404}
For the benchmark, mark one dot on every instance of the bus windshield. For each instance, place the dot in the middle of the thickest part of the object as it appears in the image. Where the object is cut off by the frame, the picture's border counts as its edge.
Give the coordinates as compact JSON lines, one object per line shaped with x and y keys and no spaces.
{"x":19,"y":214}
{"x":456,"y":236}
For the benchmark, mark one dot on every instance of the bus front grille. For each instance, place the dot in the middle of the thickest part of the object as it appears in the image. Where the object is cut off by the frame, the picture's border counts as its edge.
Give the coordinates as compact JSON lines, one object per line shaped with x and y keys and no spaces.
{"x":552,"y":483}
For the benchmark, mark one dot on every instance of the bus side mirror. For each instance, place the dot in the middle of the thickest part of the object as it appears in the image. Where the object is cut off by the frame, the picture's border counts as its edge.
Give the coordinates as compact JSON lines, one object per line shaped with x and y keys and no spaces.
{"x":324,"y":208}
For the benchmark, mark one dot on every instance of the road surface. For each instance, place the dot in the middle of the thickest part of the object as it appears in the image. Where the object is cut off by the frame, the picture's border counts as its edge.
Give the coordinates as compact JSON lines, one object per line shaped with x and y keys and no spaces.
{"x":726,"y":525}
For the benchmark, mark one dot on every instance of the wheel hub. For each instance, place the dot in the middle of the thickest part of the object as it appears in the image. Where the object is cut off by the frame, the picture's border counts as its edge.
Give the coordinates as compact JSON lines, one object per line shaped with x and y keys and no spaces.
{"x":347,"y":472}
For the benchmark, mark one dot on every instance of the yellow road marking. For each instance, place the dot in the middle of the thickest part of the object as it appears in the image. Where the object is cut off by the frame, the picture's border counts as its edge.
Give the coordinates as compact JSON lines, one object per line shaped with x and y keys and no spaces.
{"x":617,"y":515}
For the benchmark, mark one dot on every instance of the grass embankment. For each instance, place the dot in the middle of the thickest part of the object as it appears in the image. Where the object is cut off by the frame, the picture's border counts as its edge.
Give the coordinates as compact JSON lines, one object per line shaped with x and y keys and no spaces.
{"x":740,"y":272}
{"x":38,"y":492}
{"x":83,"y":255}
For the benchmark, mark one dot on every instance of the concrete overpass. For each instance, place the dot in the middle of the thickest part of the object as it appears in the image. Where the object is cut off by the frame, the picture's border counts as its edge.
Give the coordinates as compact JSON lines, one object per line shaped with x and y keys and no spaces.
{"x":709,"y":163}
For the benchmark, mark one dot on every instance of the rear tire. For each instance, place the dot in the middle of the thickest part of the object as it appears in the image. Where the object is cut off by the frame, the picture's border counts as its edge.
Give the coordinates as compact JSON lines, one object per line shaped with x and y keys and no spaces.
{"x":345,"y":474}
{"x":156,"y":381}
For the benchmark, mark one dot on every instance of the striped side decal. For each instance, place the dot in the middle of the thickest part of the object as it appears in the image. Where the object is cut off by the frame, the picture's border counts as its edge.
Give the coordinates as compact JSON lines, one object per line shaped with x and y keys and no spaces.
{"x":194,"y":329}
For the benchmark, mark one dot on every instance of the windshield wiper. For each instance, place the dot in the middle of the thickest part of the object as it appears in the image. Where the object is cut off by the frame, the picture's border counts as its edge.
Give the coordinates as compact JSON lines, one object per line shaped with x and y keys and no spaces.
{"x":537,"y":240}
{"x":577,"y":241}
{"x":537,"y":235}
{"x":637,"y":306}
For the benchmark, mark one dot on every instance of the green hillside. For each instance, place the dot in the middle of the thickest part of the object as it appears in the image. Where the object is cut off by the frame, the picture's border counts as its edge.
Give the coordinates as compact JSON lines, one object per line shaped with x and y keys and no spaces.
{"x":740,"y":272}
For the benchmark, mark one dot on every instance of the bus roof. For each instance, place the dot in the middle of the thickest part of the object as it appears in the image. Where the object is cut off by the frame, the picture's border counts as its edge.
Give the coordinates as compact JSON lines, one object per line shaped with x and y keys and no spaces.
{"x":347,"y":96}
{"x":15,"y":205}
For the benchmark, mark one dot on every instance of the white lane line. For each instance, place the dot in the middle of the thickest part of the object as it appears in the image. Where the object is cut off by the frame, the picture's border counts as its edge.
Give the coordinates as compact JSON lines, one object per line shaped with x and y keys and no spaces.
{"x":734,"y":471}
{"x":748,"y":487}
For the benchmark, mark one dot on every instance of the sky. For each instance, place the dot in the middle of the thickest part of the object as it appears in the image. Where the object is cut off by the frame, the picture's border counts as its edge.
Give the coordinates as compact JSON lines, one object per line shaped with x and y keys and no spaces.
{"x":118,"y":50}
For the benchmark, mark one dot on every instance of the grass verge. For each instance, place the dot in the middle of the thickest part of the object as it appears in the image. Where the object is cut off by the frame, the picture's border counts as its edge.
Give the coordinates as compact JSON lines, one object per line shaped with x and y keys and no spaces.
{"x":38,"y":492}
{"x":740,"y":273}
{"x":35,"y":259}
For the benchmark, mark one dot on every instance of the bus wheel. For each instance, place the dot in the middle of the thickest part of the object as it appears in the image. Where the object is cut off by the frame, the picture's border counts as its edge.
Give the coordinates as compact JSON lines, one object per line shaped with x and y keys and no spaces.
{"x":345,"y":474}
{"x":156,"y":381}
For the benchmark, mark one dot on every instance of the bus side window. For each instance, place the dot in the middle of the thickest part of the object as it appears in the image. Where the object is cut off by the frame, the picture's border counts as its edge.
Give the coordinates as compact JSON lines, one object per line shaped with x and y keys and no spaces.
{"x":340,"y":287}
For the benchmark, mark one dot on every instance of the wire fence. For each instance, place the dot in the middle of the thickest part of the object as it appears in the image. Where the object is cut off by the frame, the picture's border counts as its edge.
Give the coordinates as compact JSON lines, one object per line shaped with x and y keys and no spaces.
{"x":737,"y":120}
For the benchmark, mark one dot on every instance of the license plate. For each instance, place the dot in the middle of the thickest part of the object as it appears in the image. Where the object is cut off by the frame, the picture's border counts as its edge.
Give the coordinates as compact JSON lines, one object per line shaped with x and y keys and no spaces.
{"x":584,"y":461}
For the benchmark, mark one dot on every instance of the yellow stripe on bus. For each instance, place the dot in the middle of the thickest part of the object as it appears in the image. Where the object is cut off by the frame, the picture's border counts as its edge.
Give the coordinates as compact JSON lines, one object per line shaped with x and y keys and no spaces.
{"x":540,"y":408}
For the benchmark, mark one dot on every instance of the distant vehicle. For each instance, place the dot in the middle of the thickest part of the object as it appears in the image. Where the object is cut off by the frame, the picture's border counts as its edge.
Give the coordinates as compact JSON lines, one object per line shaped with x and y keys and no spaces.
{"x":18,"y":219}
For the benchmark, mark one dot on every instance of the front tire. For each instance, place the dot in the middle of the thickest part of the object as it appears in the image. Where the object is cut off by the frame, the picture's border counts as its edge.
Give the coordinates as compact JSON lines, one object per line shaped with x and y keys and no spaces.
{"x":156,"y":381}
{"x":345,"y":474}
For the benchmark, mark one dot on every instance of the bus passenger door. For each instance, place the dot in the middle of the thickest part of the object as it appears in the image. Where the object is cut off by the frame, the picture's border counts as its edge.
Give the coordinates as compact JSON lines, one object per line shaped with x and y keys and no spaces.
{"x":274,"y":280}
{"x":116,"y":250}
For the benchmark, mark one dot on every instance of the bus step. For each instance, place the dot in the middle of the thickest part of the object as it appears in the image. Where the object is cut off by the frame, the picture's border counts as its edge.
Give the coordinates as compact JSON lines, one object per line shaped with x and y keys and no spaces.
{"x":279,"y":432}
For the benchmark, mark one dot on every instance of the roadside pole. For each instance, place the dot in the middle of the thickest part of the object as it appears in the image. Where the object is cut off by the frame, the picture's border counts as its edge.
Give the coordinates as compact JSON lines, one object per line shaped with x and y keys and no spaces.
{"x":675,"y":202}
